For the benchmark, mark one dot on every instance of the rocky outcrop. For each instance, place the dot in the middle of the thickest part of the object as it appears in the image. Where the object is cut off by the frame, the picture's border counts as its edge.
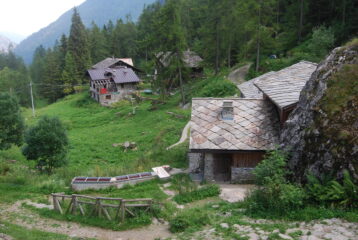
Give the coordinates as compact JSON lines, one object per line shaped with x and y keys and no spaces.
{"x":322,"y":132}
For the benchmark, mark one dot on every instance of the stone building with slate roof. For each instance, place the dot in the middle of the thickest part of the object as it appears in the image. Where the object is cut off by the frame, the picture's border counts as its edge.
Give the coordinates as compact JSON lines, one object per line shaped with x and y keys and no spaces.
{"x":112,"y":79}
{"x":229,"y":136}
{"x":191,"y":60}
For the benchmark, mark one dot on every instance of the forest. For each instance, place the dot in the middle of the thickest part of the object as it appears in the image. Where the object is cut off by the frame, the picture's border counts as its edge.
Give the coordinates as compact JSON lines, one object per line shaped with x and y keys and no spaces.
{"x":271,"y":34}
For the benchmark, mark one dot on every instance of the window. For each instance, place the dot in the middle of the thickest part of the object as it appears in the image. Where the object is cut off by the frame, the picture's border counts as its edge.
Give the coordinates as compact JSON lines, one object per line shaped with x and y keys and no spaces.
{"x":108,"y":97}
{"x":227,"y":112}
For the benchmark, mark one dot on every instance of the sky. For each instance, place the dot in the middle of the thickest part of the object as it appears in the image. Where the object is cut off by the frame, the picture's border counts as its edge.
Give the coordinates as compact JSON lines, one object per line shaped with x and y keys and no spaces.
{"x":24,"y":17}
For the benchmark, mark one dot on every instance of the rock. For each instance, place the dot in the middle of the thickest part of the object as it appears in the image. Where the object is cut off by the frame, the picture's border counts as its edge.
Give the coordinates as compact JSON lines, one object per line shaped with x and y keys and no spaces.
{"x":126,"y":145}
{"x":283,"y":236}
{"x":237,"y":226}
{"x":253,"y":236}
{"x":320,"y":133}
{"x":186,"y":106}
{"x":5,"y":237}
{"x":224,"y":225}
{"x":333,"y":236}
{"x":215,"y":206}
{"x":166,"y":185}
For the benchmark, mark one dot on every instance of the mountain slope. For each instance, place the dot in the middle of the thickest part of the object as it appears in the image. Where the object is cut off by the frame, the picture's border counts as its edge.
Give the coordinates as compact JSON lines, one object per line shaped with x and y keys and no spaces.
{"x":99,"y":11}
{"x":5,"y":43}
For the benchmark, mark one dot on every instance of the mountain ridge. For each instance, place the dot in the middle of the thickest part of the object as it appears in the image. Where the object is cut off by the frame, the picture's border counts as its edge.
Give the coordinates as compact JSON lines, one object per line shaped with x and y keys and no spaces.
{"x":5,"y":44}
{"x":97,"y":11}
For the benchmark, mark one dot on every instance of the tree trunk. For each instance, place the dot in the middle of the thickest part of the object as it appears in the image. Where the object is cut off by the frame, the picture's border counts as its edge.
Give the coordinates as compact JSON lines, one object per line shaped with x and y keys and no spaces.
{"x":277,"y":17}
{"x":344,"y":12}
{"x":217,"y":49}
{"x":301,"y":22}
{"x":258,"y":40}
{"x":181,"y":85}
{"x":229,"y":56}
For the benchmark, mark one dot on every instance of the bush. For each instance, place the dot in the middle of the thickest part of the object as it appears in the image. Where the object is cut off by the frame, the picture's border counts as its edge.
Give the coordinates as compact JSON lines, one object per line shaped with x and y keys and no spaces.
{"x":273,"y":167}
{"x":219,"y":88}
{"x":275,"y":193}
{"x":190,"y":218}
{"x":321,"y":42}
{"x":204,"y":192}
{"x":46,"y":143}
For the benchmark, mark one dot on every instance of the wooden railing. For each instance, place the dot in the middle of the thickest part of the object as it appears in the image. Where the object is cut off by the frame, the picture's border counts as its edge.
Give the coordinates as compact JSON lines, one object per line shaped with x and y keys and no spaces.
{"x":100,"y":206}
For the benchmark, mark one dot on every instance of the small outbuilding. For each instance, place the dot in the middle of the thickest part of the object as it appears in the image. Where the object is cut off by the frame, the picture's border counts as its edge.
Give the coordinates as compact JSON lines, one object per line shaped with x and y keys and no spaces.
{"x":191,"y":60}
{"x":230,"y":136}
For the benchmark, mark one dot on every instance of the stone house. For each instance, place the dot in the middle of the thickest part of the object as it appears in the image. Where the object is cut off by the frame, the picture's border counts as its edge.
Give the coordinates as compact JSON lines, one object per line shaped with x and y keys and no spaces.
{"x":230,"y":136}
{"x":112,"y":79}
{"x":190,"y":58}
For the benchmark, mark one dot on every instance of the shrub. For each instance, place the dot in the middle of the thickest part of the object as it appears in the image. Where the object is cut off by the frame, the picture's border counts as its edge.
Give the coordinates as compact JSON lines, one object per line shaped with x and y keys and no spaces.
{"x":204,"y":192}
{"x":275,"y":193}
{"x":193,"y":218}
{"x":219,"y":88}
{"x":46,"y":143}
{"x":273,"y":167}
{"x":321,"y":42}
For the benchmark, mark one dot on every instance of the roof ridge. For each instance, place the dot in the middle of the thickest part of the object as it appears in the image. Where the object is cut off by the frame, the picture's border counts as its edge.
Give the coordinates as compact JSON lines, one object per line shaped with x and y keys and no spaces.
{"x":233,"y":98}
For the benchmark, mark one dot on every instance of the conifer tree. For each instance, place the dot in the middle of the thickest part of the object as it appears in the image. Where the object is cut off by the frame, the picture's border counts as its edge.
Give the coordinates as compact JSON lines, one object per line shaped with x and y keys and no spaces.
{"x":78,"y":45}
{"x":70,"y":76}
{"x":97,"y":41}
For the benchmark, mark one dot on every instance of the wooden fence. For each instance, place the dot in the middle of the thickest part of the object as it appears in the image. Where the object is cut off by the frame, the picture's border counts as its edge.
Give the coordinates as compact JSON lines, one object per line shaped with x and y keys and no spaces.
{"x":110,"y":208}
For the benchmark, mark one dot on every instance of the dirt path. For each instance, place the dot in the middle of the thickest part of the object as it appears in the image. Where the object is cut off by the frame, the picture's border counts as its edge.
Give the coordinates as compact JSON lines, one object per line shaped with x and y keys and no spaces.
{"x":234,"y":192}
{"x":183,"y":137}
{"x":18,"y":215}
{"x":238,"y":75}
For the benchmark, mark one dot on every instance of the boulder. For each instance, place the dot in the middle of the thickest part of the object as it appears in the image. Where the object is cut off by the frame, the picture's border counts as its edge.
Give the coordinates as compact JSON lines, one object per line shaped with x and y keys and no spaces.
{"x":322,"y":132}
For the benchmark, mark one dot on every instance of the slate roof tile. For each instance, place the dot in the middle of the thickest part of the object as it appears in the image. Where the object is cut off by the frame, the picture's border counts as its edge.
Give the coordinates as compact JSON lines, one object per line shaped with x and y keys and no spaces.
{"x":255,"y":125}
{"x":284,"y":87}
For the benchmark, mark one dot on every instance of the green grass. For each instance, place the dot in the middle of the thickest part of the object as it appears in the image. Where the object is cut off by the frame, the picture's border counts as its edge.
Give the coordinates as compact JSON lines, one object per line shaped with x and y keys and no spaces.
{"x":21,"y":233}
{"x":202,"y":193}
{"x":92,"y":129}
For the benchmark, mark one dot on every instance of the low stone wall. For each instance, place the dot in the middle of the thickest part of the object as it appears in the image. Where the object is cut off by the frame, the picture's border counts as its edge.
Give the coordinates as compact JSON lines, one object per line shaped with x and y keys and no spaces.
{"x":242,"y":175}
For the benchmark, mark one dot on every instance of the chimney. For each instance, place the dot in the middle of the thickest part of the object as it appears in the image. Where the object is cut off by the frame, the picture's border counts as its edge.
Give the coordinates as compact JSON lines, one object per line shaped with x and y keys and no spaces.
{"x":227,"y":112}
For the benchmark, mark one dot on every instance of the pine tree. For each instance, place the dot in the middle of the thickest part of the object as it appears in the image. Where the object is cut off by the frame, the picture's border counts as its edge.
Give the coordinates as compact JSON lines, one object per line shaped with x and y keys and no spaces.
{"x":98,"y":46}
{"x":78,"y":45}
{"x":70,"y":76}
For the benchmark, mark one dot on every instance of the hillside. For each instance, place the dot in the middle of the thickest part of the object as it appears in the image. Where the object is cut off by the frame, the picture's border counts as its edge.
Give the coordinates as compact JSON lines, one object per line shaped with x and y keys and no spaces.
{"x":5,"y":43}
{"x":97,"y":11}
{"x":93,"y":130}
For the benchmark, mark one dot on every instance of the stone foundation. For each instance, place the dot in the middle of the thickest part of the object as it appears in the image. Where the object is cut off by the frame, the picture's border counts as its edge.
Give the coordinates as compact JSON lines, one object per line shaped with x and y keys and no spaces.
{"x":209,"y":167}
{"x":242,"y":175}
{"x":196,"y":162}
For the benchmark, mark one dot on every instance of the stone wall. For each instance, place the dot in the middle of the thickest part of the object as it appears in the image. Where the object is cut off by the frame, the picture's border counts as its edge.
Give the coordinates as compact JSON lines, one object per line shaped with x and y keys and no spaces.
{"x":196,"y":162}
{"x":242,"y":175}
{"x":209,"y":167}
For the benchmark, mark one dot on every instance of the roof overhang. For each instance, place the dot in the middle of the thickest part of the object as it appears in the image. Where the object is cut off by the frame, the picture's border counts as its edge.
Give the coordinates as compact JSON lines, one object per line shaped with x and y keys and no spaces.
{"x":225,"y":151}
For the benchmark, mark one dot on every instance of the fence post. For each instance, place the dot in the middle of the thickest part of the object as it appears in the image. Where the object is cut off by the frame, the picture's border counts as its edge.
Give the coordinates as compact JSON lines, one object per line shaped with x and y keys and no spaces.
{"x":123,"y":210}
{"x":74,"y":204}
{"x":54,"y":202}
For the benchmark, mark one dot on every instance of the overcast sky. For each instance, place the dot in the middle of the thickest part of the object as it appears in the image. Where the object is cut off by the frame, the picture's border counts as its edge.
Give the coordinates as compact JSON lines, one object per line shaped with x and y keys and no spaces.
{"x":27,"y":16}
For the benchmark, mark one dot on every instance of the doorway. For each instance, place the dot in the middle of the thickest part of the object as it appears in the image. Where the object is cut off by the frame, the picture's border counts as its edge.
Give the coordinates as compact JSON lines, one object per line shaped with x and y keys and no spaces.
{"x":222,"y":167}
